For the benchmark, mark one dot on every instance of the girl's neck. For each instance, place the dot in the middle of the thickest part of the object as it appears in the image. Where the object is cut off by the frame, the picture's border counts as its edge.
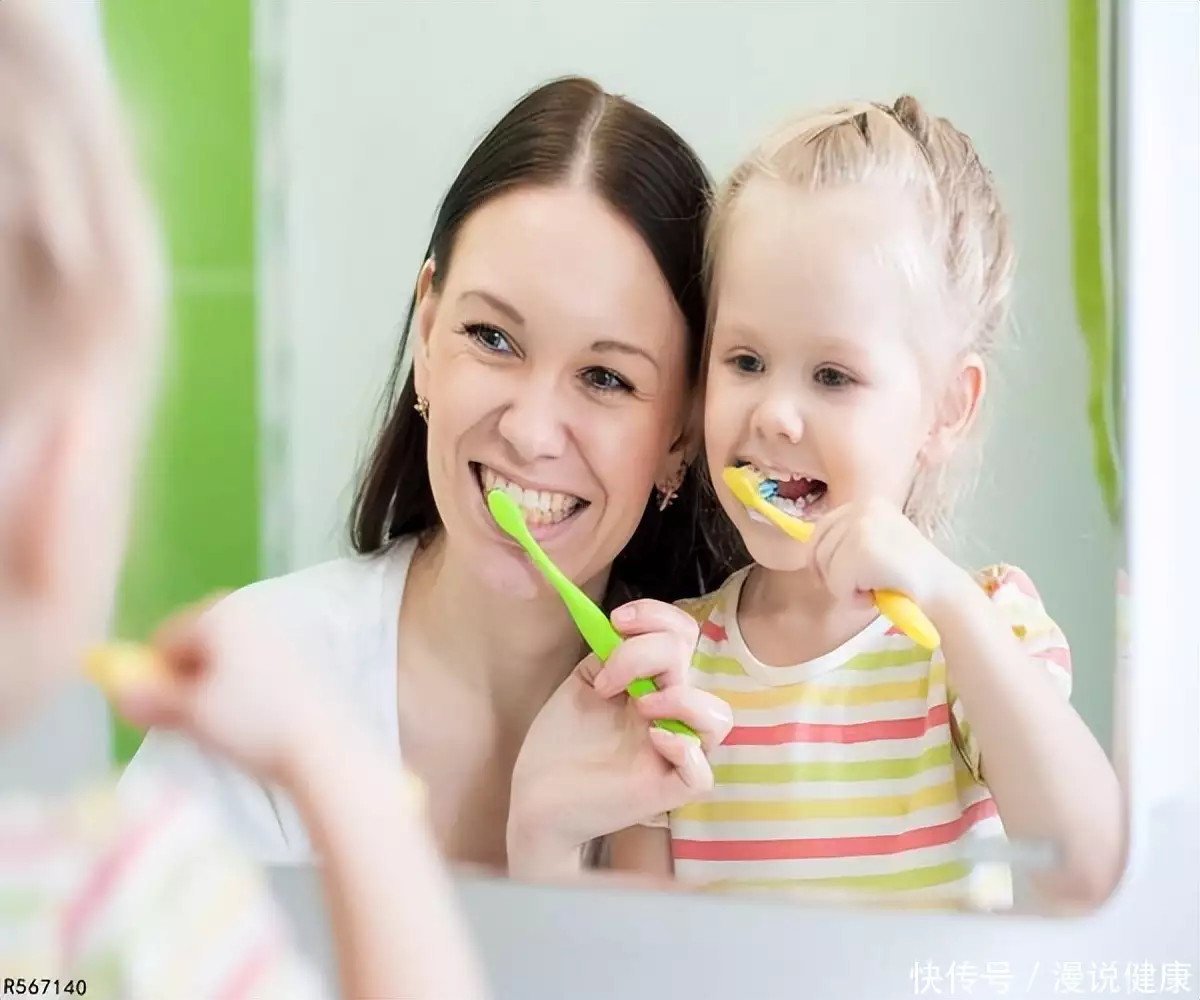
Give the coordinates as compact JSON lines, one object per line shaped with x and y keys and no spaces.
{"x":517,"y":652}
{"x":789,"y":617}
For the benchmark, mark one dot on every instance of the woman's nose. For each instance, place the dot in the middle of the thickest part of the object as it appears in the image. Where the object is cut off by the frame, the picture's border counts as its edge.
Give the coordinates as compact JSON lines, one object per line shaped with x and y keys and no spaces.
{"x":532,"y":425}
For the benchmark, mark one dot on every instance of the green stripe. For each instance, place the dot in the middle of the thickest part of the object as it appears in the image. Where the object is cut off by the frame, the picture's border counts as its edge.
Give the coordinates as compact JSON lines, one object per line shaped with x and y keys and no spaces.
{"x":185,"y":69}
{"x":1091,"y":250}
{"x":855,"y":770}
{"x":708,"y":664}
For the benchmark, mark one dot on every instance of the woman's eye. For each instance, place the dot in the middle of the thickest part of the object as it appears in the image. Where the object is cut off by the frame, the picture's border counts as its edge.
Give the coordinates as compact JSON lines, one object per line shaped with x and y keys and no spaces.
{"x":832,"y":378}
{"x":748,"y":364}
{"x":489,"y":337}
{"x":606,"y":380}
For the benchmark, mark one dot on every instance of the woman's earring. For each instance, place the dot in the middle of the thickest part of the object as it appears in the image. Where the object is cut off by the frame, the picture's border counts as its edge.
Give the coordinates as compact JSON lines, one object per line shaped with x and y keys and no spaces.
{"x":422,"y":407}
{"x":667,"y":494}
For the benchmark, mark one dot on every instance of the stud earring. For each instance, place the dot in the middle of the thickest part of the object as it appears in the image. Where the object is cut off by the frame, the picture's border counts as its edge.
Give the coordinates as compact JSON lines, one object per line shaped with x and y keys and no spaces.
{"x":422,"y":407}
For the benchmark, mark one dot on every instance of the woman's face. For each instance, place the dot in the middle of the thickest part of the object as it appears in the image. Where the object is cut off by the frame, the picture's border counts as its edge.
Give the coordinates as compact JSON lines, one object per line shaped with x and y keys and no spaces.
{"x":553,"y":359}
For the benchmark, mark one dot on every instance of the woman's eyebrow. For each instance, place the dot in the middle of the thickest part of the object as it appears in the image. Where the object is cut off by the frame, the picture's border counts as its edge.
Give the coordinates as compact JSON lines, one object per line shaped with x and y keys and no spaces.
{"x":497,"y":303}
{"x":621,"y":347}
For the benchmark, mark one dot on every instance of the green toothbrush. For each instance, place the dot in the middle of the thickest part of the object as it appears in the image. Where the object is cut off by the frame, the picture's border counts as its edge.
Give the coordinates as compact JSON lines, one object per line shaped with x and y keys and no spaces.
{"x":592,"y":623}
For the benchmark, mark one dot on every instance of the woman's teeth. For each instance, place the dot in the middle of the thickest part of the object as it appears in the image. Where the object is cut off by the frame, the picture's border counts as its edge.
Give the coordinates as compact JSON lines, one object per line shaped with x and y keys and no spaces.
{"x":540,"y":507}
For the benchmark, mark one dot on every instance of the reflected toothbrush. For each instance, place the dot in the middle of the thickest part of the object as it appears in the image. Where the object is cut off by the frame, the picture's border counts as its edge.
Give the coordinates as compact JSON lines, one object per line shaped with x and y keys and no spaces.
{"x":593,"y":624}
{"x":755,"y":491}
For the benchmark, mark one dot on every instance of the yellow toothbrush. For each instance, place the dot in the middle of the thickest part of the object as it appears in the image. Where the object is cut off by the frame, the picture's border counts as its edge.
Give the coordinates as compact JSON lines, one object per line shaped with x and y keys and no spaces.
{"x":899,"y":609}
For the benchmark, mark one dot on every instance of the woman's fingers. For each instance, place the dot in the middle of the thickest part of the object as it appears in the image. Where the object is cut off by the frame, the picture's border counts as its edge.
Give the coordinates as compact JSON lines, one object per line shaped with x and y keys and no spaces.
{"x":640,"y":617}
{"x":691,"y":775}
{"x":660,"y":656}
{"x":709,"y":716}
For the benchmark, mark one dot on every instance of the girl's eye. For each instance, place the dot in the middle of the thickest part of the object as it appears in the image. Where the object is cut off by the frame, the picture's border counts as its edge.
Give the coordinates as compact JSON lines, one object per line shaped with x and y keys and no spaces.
{"x":490,"y":338}
{"x":606,"y":380}
{"x":832,"y":378}
{"x":747,"y":364}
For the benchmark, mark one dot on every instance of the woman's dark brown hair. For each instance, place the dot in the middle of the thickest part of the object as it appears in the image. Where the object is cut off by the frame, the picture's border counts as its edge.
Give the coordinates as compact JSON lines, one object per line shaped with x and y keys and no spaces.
{"x":566,"y":131}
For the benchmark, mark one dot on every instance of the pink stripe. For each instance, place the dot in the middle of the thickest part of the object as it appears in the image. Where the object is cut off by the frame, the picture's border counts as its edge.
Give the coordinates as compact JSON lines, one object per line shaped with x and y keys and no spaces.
{"x":1059,"y":655}
{"x":109,"y":872}
{"x":834,"y":847}
{"x":824,"y":732}
{"x":712,"y":631}
{"x":247,"y":974}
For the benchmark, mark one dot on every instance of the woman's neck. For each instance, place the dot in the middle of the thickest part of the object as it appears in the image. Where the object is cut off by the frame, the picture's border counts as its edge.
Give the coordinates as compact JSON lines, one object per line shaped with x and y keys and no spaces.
{"x":516,"y":651}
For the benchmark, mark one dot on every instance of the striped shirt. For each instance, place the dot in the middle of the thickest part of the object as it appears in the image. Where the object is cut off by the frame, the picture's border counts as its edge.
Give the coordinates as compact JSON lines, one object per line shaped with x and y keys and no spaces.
{"x":854,"y":776}
{"x":138,"y":898}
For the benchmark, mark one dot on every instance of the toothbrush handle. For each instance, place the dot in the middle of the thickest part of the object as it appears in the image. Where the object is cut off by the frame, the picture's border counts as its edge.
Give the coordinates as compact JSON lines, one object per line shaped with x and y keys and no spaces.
{"x":906,"y":616}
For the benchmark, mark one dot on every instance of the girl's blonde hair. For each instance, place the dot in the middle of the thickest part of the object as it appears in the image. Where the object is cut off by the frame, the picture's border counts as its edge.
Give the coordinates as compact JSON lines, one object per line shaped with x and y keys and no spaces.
{"x":79,"y":262}
{"x":935,"y":165}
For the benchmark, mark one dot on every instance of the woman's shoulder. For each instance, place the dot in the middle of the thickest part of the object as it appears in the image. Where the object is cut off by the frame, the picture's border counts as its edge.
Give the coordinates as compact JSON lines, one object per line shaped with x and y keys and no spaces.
{"x":347,"y":585}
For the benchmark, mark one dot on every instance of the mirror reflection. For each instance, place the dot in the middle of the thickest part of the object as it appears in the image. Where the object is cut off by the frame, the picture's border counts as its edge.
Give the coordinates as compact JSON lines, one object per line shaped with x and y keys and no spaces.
{"x":798,"y":388}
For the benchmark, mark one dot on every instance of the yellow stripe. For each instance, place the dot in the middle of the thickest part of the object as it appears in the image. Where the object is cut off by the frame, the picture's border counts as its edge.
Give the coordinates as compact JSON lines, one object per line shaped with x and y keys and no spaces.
{"x":709,"y":663}
{"x":913,"y":878}
{"x":786,"y":772}
{"x":814,"y":693}
{"x":864,"y":807}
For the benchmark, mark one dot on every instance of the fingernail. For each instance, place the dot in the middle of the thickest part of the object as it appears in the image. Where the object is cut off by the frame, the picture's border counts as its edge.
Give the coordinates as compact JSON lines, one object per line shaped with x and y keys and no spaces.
{"x":623,"y":616}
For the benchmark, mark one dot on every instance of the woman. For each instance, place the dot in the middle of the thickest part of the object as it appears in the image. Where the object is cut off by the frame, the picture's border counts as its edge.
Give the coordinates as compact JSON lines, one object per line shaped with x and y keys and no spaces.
{"x":558,"y":320}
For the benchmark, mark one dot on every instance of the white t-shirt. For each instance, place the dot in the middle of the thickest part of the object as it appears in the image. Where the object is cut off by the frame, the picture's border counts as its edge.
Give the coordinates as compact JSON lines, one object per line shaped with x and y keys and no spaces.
{"x":343,"y":614}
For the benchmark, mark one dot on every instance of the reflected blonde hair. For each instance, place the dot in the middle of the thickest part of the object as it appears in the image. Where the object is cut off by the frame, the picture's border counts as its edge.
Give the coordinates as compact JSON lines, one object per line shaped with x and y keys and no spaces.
{"x":79,"y":253}
{"x":969,"y":260}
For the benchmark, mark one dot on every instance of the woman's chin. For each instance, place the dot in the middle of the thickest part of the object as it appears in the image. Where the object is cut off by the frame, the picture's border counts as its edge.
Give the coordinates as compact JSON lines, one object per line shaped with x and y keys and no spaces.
{"x":509,"y":574}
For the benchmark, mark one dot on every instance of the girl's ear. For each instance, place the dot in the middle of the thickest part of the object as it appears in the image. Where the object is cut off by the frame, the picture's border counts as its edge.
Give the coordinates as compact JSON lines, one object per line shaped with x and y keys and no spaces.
{"x":957,"y":410}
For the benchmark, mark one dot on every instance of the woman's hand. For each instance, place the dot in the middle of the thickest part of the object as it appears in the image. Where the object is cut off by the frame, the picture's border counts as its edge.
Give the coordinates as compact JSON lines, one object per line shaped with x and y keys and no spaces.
{"x":593,"y":763}
{"x":237,"y":686}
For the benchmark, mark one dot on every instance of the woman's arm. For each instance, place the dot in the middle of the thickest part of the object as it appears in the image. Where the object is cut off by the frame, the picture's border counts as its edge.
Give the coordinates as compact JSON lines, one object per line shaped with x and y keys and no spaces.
{"x":1048,"y":775}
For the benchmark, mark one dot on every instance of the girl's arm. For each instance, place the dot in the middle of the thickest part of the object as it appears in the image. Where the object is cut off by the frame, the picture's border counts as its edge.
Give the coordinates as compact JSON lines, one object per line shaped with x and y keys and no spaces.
{"x":643,"y":849}
{"x":1049,"y":777}
{"x":391,"y":904}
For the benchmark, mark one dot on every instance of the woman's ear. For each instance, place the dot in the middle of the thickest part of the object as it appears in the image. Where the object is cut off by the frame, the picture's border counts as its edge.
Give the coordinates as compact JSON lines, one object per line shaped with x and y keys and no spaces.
{"x":958,"y":409}
{"x":423,"y":317}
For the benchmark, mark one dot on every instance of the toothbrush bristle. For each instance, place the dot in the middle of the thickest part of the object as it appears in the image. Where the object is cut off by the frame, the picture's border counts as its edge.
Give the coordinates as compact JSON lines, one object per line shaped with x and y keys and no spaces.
{"x":767,"y":488}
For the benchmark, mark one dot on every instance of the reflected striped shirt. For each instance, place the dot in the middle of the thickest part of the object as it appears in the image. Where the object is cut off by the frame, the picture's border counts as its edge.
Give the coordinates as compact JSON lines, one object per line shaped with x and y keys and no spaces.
{"x":141,"y":898}
{"x":854,"y":776}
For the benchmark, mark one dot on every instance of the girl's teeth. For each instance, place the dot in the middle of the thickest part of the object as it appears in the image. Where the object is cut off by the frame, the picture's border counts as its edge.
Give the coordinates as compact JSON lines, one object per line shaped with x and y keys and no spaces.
{"x":540,"y":507}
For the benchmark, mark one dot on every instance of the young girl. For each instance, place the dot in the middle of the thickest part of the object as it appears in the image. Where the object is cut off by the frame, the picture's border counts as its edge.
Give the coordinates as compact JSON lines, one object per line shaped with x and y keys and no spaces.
{"x":861,"y":273}
{"x":142,"y":897}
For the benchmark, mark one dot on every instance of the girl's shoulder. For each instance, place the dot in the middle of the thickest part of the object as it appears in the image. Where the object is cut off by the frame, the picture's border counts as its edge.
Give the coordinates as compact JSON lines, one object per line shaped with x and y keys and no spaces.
{"x":702,"y":608}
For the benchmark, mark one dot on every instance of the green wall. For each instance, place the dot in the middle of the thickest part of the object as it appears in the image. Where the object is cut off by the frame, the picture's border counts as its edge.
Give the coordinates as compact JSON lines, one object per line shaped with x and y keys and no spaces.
{"x":185,"y":68}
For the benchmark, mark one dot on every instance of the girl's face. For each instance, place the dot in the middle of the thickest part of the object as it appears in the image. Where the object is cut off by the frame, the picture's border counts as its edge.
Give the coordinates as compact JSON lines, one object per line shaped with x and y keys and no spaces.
{"x":69,"y":452}
{"x":554,"y":361}
{"x":812,"y":377}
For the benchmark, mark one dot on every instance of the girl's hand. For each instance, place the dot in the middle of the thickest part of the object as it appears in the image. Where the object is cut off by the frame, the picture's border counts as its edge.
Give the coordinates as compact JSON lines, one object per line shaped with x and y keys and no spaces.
{"x":235,"y":685}
{"x":593,"y":764}
{"x":871,"y":545}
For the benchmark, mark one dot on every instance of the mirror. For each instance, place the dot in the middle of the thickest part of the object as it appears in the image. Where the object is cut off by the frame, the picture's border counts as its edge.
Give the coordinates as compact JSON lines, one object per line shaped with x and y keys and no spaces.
{"x":853,"y":783}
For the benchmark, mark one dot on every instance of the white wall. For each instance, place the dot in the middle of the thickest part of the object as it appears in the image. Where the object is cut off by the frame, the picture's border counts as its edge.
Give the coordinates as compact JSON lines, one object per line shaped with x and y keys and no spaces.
{"x":382,"y":101}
